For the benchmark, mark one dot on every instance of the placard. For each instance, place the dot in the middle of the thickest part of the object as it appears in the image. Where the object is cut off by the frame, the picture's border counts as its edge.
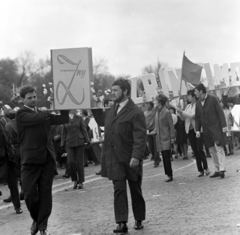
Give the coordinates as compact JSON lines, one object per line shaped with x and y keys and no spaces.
{"x":72,"y":74}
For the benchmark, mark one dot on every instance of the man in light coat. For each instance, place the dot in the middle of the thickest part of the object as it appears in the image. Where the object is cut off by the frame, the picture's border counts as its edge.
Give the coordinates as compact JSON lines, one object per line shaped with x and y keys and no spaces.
{"x":123,"y":153}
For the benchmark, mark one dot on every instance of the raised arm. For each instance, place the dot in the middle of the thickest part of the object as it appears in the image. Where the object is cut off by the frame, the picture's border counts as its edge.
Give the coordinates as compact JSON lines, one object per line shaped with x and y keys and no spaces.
{"x":99,"y":116}
{"x":26,"y":118}
{"x":60,"y":119}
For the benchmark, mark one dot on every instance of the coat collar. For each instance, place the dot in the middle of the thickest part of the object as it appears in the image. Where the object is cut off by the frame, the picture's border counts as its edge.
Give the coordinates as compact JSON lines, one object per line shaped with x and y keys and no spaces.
{"x":129,"y":105}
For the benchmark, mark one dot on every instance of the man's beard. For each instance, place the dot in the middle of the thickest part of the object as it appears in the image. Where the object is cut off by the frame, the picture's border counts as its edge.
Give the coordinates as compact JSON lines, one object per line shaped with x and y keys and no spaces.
{"x":119,"y":99}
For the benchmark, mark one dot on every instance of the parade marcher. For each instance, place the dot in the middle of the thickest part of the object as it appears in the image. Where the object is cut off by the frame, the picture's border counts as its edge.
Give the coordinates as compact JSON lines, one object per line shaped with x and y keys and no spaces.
{"x":165,"y":134}
{"x":210,"y":117}
{"x":196,"y":143}
{"x":123,"y":153}
{"x":11,"y":130}
{"x":38,"y":159}
{"x":151,"y":139}
{"x":91,"y":152}
{"x":9,"y":167}
{"x":75,"y":137}
{"x":229,"y":120}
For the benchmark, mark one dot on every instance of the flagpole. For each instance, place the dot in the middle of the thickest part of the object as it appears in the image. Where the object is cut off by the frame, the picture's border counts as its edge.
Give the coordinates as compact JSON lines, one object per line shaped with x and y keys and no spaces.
{"x":180,"y":91}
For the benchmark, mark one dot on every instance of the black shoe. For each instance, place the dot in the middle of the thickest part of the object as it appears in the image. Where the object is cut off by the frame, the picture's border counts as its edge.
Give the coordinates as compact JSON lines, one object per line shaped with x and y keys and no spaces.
{"x":138,"y":225}
{"x":86,"y":165}
{"x":156,"y":165}
{"x":75,"y":185}
{"x":169,"y":179}
{"x":216,"y":174}
{"x":121,"y":228}
{"x":0,"y":193}
{"x":9,"y":199}
{"x":21,"y":196}
{"x":221,"y":174}
{"x":18,"y":210}
{"x":99,"y":173}
{"x":80,"y":186}
{"x":201,"y":174}
{"x":44,"y":232}
{"x":34,"y":229}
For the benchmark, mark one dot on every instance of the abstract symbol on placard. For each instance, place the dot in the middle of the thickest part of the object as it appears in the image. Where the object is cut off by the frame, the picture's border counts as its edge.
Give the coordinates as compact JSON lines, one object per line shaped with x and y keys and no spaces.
{"x":76,"y":71}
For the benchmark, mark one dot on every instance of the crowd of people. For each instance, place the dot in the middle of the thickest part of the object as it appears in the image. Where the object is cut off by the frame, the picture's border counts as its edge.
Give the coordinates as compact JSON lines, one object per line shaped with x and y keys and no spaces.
{"x":35,"y":142}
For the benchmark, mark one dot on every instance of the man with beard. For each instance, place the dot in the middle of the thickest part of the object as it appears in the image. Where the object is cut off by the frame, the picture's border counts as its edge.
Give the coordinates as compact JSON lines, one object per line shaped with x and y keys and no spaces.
{"x":210,"y":117}
{"x":37,"y":157}
{"x":123,"y":153}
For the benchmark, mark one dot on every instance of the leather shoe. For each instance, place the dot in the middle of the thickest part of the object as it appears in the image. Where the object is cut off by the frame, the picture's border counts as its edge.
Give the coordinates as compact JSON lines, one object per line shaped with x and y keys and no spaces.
{"x":98,"y":173}
{"x":221,"y":174}
{"x":169,"y":179}
{"x":138,"y":225}
{"x":9,"y":199}
{"x":216,"y":174}
{"x":75,"y":185}
{"x":201,"y":174}
{"x":44,"y":232}
{"x":80,"y":186}
{"x":34,"y":229}
{"x":121,"y":228}
{"x":18,"y":210}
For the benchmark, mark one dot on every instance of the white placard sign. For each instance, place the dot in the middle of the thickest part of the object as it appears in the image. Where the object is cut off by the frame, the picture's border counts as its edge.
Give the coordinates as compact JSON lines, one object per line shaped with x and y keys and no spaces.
{"x":72,"y":73}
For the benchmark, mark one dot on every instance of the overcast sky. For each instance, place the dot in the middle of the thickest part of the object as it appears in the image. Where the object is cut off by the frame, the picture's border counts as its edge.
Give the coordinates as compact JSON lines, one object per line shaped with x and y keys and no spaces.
{"x":129,"y":34}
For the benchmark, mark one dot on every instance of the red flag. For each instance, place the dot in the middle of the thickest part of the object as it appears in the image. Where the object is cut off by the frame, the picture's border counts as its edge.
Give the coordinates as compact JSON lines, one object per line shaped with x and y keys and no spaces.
{"x":191,"y":72}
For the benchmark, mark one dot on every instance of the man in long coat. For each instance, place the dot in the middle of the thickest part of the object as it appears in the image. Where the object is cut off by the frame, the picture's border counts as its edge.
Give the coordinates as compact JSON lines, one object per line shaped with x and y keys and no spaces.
{"x":38,"y":159}
{"x":123,"y":153}
{"x":210,"y":117}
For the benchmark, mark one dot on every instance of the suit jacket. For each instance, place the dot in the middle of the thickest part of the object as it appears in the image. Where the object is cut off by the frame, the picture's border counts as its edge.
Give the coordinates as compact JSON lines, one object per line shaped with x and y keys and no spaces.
{"x":34,"y":131}
{"x":164,"y":129}
{"x":74,"y":133}
{"x":210,"y":117}
{"x":125,"y":138}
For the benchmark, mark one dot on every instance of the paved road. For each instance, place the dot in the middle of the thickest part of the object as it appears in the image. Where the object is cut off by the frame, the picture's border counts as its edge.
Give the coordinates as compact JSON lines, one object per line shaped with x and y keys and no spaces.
{"x":188,"y":205}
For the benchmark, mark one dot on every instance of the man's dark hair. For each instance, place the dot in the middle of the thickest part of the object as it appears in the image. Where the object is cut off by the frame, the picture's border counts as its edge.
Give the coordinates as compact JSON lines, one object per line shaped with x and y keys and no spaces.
{"x":151,"y":104}
{"x":124,"y":84}
{"x":191,"y":93}
{"x":106,"y":102}
{"x":162,"y":99}
{"x":85,"y":112}
{"x":26,"y":89}
{"x":172,"y":108}
{"x":202,"y":88}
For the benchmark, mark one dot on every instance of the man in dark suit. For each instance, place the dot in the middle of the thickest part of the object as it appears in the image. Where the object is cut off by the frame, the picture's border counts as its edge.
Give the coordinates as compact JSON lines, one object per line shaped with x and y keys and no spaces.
{"x":123,"y":153}
{"x":211,"y":119}
{"x":37,"y":157}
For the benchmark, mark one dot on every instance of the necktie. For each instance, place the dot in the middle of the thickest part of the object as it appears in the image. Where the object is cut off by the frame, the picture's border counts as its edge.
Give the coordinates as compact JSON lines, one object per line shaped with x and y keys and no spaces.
{"x":116,"y":109}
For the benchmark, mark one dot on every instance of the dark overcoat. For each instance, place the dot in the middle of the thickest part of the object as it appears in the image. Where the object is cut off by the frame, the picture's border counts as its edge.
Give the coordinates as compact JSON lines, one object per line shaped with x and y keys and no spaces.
{"x":34,"y":131}
{"x":74,"y":133}
{"x":210,"y":117}
{"x":124,"y":139}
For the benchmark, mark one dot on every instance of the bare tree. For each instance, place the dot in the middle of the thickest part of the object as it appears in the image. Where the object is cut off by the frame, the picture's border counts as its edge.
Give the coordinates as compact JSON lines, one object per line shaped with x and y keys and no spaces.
{"x":99,"y":67}
{"x":28,"y":67}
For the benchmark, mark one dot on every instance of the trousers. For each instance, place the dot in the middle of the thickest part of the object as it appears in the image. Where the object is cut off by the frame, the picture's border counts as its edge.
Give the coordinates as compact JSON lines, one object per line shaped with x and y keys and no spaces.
{"x":197,"y":148}
{"x":37,"y":180}
{"x":121,"y":200}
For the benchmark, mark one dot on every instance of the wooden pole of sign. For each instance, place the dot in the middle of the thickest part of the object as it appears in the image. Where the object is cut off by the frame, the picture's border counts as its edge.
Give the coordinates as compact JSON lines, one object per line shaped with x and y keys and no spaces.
{"x":180,"y":90}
